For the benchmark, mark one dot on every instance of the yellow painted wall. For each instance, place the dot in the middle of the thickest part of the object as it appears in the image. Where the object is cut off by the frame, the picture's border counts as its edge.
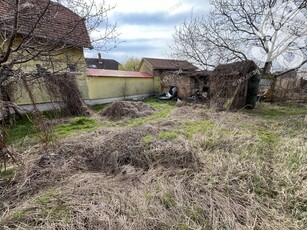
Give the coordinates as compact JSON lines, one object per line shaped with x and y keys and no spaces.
{"x":57,"y":63}
{"x":91,"y":87}
{"x":145,"y":67}
{"x":157,"y":85}
{"x":110,"y":87}
{"x":21,"y":96}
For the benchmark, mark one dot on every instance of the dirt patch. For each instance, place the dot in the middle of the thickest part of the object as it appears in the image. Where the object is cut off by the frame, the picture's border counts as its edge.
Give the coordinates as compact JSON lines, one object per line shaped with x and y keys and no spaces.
{"x":127,"y":109}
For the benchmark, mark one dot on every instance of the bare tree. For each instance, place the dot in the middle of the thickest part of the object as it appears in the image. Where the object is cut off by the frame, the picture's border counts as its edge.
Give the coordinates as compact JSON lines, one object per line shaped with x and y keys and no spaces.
{"x":272,"y":33}
{"x":42,"y":41}
{"x":46,"y":34}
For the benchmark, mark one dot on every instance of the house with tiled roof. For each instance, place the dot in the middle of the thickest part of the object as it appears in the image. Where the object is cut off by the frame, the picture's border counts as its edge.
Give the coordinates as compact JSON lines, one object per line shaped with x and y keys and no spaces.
{"x":45,"y":19}
{"x":50,"y":38}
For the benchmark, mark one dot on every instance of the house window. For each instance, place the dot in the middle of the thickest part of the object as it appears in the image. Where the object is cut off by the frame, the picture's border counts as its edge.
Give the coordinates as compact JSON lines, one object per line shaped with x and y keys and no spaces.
{"x":72,"y":68}
{"x":92,"y":66}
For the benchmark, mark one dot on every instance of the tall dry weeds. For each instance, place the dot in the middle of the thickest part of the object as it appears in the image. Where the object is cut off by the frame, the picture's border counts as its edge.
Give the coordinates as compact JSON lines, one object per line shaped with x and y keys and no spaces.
{"x":237,"y":171}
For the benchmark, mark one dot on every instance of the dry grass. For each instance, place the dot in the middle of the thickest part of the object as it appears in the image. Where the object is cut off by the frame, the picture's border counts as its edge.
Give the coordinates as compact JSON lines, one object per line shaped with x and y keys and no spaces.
{"x":127,"y":109}
{"x":234,"y":171}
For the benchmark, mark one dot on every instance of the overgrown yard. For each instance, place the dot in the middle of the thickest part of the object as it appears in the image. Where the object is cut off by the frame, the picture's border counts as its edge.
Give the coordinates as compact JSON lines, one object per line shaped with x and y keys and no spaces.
{"x":177,"y":168}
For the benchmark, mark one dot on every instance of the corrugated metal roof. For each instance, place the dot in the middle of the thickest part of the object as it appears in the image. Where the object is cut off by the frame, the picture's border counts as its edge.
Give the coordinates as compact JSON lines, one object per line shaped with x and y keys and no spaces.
{"x":115,"y":73}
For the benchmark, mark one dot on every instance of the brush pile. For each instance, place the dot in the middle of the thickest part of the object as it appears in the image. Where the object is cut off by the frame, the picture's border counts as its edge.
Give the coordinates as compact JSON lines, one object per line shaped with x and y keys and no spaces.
{"x":127,"y":109}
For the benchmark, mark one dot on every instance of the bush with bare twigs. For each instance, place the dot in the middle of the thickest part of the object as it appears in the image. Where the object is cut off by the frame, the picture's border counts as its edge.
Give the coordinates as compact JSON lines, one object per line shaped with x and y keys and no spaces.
{"x":64,"y":87}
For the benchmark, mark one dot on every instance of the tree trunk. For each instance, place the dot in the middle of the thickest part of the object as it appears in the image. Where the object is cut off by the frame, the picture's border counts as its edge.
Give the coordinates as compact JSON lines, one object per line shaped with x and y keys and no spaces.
{"x":266,"y":72}
{"x":267,"y":68}
{"x":7,"y":115}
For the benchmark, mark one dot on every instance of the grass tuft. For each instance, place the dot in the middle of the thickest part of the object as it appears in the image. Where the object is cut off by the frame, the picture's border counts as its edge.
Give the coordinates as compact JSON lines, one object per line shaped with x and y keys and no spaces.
{"x":168,"y":135}
{"x":79,"y":124}
{"x":191,"y":128}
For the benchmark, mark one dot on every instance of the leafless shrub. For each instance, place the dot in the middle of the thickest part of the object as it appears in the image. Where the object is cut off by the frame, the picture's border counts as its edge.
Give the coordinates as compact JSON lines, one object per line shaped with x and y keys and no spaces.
{"x":65,"y":88}
{"x":293,"y":90}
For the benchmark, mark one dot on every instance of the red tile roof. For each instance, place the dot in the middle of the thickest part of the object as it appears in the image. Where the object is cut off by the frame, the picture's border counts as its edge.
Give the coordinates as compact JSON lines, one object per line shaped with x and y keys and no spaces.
{"x":58,"y":23}
{"x":115,"y":73}
{"x":169,"y":64}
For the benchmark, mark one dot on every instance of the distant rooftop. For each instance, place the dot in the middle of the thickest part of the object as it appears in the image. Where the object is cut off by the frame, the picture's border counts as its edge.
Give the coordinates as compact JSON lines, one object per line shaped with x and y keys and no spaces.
{"x":100,"y":63}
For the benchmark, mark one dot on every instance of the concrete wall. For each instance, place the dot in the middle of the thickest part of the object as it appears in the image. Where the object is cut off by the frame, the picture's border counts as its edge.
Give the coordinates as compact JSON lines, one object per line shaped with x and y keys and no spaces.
{"x":113,"y":87}
{"x":94,"y":90}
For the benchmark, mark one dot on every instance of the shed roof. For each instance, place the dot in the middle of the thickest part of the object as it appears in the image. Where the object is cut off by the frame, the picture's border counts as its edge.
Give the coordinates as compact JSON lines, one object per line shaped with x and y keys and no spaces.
{"x":235,"y":68}
{"x":115,"y":73}
{"x":58,"y":23}
{"x":169,"y":64}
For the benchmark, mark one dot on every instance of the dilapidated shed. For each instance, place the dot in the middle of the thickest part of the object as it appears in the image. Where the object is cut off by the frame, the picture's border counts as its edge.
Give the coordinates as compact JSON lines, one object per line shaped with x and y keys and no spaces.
{"x":188,"y":83}
{"x":235,"y":85}
{"x":170,"y":73}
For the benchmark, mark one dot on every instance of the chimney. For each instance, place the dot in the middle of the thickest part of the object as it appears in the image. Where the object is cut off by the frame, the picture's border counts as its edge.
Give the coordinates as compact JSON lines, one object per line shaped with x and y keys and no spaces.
{"x":99,"y":58}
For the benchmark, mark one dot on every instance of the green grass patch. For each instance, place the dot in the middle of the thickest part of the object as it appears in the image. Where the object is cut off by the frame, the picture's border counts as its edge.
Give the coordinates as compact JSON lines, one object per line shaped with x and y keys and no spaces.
{"x":191,"y":128}
{"x":18,"y":215}
{"x":7,"y":174}
{"x":55,"y":114}
{"x":157,"y":103}
{"x":40,"y":214}
{"x":168,"y":200}
{"x":98,"y":108}
{"x":266,"y":135}
{"x":23,"y":128}
{"x":168,"y":135}
{"x":46,"y":197}
{"x":163,"y":110}
{"x":76,"y":125}
{"x":196,"y":214}
{"x":52,"y":206}
{"x":148,"y":139}
{"x":272,"y":111}
{"x":149,"y":198}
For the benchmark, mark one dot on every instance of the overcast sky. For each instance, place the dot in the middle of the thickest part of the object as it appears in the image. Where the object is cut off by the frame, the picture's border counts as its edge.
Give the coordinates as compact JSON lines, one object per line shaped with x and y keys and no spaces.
{"x":146,"y":27}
